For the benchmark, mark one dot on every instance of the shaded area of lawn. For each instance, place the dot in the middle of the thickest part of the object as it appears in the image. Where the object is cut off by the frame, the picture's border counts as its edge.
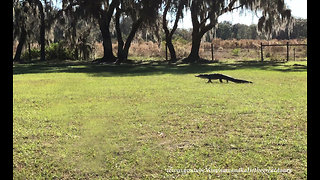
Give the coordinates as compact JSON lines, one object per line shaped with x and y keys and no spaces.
{"x":152,"y":67}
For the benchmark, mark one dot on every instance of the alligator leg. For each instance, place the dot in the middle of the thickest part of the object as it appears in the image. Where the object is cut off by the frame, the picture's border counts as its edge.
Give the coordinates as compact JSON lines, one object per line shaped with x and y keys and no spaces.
{"x":220,"y":80}
{"x":209,"y":81}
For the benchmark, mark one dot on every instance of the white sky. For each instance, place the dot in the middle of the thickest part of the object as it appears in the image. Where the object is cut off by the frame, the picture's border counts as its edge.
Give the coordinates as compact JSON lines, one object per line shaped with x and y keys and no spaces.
{"x":298,"y":10}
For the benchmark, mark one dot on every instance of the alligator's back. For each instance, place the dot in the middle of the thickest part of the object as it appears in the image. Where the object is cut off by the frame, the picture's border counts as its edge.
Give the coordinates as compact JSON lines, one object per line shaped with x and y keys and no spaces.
{"x":221,"y":76}
{"x":213,"y":76}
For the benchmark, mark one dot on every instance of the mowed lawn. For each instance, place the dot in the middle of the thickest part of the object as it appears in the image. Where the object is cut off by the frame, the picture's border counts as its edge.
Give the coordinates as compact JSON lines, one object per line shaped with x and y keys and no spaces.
{"x":86,"y":121}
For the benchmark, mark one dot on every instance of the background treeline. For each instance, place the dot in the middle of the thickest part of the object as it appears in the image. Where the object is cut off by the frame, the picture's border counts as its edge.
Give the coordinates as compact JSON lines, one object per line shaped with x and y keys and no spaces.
{"x":241,"y":31}
{"x":225,"y":31}
{"x":70,"y":31}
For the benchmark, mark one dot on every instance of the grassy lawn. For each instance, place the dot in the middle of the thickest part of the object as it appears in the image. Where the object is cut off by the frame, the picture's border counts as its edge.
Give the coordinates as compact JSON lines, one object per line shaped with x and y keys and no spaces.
{"x":85,"y":121}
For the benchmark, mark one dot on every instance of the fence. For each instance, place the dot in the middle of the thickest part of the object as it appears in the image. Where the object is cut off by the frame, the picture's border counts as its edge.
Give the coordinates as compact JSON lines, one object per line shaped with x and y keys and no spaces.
{"x":287,"y":45}
{"x":210,"y":50}
{"x":222,"y":50}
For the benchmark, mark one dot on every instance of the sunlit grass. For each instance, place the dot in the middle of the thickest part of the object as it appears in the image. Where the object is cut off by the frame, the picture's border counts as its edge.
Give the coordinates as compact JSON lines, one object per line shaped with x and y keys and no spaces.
{"x":107,"y":121}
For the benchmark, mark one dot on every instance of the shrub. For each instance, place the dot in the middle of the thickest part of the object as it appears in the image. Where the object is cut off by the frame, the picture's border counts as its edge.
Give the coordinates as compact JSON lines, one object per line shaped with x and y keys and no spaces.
{"x":53,"y":51}
{"x":57,"y":51}
{"x":35,"y":53}
{"x":179,"y":40}
{"x":235,"y":52}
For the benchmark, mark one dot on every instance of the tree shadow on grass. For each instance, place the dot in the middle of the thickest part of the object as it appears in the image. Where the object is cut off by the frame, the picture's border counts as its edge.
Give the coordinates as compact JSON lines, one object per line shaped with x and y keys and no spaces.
{"x":143,"y":68}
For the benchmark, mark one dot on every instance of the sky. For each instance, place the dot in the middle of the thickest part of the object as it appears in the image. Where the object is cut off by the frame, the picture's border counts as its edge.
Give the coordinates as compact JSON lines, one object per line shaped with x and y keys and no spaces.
{"x":298,"y":10}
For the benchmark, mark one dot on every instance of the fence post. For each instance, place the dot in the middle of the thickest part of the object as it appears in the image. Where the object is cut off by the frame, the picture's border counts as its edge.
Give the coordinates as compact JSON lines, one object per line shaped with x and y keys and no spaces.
{"x":211,"y":51}
{"x":294,"y":54}
{"x":288,"y":51}
{"x":261,"y":52}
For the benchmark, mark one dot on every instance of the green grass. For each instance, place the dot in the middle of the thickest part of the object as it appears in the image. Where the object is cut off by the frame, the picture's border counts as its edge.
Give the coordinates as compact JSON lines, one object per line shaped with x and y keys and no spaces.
{"x":74,"y":120}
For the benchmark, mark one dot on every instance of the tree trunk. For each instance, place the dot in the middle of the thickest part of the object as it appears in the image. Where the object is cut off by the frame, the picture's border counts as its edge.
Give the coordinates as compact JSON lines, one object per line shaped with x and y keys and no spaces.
{"x":104,"y":24}
{"x":173,"y":57}
{"x":198,"y":30}
{"x":194,"y":54}
{"x":196,"y":37}
{"x":120,"y":53}
{"x":42,"y":31}
{"x":22,"y":40}
{"x":135,"y":27}
{"x":107,"y":44}
{"x":42,"y":42}
{"x":125,"y":50}
{"x":29,"y":49}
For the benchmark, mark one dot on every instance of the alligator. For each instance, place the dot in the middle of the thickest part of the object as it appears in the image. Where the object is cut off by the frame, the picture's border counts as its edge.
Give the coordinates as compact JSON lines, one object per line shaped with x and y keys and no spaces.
{"x":220,"y":77}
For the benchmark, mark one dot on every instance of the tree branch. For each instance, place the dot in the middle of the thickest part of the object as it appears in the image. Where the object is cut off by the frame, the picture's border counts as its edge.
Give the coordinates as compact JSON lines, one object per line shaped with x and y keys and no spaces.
{"x":179,"y":12}
{"x":194,"y":17}
{"x":229,"y":7}
{"x":113,"y":5}
{"x":206,"y":28}
{"x":205,"y":19}
{"x":164,"y":19}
